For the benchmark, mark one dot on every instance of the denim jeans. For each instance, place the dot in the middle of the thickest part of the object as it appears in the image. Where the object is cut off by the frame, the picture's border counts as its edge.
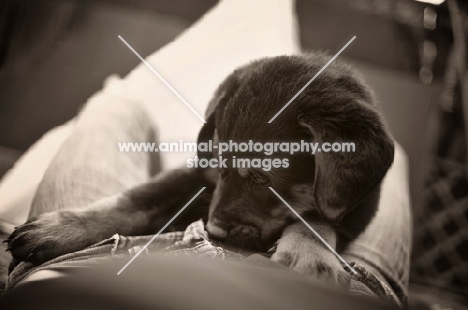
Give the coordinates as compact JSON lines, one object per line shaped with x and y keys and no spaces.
{"x":89,"y":167}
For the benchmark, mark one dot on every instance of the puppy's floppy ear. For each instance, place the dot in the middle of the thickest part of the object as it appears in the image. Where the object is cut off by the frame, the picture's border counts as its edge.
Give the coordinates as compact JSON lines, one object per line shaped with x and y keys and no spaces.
{"x":224,"y":92}
{"x":206,"y":133}
{"x":344,"y":179}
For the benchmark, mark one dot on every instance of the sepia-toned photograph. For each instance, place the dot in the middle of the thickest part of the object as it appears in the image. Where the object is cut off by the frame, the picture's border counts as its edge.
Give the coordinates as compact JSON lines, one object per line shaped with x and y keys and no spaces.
{"x":234,"y":154}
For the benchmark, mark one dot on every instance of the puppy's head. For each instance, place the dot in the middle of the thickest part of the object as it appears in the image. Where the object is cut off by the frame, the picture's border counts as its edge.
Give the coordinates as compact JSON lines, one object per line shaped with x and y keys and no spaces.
{"x":335,"y":107}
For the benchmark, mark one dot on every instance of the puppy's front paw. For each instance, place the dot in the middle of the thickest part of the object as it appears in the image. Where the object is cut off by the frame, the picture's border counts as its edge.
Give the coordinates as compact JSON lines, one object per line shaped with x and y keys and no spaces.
{"x":300,"y":250}
{"x":319,"y":265}
{"x":47,"y":237}
{"x":315,"y":262}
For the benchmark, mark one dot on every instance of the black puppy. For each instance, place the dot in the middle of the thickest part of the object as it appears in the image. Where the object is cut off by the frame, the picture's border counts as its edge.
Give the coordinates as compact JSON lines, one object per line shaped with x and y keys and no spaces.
{"x":337,"y":193}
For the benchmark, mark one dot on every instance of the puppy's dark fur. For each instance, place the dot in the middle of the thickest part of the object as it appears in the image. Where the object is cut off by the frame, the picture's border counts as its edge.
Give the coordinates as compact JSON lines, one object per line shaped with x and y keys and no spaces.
{"x":337,"y":193}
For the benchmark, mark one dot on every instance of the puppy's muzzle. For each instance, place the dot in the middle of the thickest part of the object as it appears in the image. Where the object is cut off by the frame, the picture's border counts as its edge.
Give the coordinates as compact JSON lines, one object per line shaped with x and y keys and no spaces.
{"x":214,"y":229}
{"x":237,"y":234}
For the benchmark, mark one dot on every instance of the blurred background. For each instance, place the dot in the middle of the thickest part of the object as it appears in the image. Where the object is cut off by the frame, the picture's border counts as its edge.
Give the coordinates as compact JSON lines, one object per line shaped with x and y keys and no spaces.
{"x":54,"y":54}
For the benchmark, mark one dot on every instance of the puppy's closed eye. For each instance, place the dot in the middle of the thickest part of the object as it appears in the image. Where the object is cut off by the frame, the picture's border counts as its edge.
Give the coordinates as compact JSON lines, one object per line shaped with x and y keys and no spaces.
{"x":258,"y":178}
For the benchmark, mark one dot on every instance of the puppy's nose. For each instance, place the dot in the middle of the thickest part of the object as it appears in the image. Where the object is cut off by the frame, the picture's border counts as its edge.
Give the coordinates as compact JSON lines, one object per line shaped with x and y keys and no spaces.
{"x":214,"y":229}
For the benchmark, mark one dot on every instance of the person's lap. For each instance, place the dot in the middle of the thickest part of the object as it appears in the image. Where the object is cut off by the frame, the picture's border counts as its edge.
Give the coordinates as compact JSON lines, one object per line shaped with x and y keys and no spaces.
{"x":161,"y":282}
{"x":90,"y":167}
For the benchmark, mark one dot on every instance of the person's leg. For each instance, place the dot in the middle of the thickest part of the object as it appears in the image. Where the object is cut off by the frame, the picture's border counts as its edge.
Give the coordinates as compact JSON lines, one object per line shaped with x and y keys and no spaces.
{"x":385,"y":246}
{"x":89,"y":166}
